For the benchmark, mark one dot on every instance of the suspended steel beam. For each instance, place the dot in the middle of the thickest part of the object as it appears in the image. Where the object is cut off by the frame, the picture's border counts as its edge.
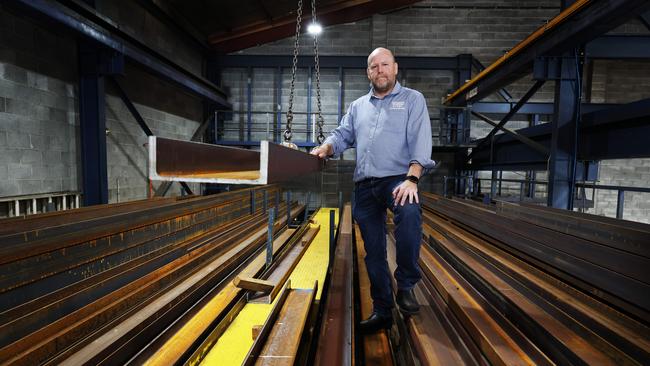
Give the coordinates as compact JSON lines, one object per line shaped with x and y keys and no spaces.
{"x":579,"y":23}
{"x":186,"y":161}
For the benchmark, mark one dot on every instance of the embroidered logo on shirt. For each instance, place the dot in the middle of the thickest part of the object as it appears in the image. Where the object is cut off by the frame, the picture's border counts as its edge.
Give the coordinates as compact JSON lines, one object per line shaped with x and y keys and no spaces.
{"x":398,"y":105}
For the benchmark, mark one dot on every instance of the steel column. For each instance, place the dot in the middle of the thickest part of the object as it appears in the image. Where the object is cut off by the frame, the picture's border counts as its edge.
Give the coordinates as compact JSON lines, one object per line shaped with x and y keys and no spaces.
{"x":92,"y":117}
{"x":309,"y":92}
{"x":339,"y":108}
{"x":249,"y":103}
{"x":620,"y":204}
{"x":277,"y":137}
{"x":562,"y":163}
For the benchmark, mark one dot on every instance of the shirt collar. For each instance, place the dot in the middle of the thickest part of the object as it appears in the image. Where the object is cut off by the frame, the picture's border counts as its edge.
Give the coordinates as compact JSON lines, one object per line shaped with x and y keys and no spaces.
{"x":396,"y":89}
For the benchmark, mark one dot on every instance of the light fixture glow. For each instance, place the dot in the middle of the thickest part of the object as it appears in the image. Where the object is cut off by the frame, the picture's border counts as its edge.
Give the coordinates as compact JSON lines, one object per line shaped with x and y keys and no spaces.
{"x":314,"y":28}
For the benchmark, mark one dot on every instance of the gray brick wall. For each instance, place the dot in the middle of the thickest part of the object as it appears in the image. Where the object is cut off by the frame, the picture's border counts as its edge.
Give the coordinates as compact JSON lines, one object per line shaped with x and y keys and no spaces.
{"x":39,"y":121}
{"x":143,"y":26}
{"x":37,"y":109}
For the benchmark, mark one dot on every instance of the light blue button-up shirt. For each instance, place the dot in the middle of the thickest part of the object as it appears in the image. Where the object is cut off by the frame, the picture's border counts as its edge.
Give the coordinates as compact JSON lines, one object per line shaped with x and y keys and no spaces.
{"x":389,"y":133}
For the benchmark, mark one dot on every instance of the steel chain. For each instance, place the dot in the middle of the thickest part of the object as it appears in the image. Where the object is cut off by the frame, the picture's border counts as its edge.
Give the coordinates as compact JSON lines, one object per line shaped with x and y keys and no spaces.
{"x":319,"y":119}
{"x":287,"y":132}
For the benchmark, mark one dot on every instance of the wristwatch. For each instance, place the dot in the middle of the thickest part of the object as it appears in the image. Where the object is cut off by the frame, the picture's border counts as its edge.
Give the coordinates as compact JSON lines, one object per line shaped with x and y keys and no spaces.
{"x":413,"y":178}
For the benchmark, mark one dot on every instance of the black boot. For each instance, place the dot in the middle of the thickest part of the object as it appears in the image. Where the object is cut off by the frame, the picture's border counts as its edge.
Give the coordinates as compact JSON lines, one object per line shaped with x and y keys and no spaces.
{"x":407,"y":302}
{"x":375,"y":322}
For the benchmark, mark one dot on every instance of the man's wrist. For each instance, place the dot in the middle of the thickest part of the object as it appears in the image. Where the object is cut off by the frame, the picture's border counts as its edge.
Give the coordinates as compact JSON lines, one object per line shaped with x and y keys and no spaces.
{"x":413,"y":179}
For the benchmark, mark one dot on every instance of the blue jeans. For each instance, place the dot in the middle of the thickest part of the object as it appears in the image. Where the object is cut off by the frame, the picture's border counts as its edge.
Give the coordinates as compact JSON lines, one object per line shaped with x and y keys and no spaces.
{"x":372,"y":197}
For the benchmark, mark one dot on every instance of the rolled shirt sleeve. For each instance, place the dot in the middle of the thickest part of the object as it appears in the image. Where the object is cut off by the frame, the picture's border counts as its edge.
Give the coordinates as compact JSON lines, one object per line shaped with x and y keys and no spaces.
{"x":343,"y":137}
{"x":418,"y":134}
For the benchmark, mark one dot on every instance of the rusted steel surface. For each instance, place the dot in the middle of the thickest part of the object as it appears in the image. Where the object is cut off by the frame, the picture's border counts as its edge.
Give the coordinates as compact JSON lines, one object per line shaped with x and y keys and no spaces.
{"x":336,"y":332}
{"x":376,"y":346}
{"x":281,"y":269}
{"x":284,"y":163}
{"x":219,"y":307}
{"x":616,"y":277}
{"x":111,"y":312}
{"x":430,"y":341}
{"x":280,"y":337}
{"x":629,"y":236}
{"x":45,"y":220}
{"x":175,"y":160}
{"x":546,"y":315}
{"x":97,"y":246}
{"x":180,"y":158}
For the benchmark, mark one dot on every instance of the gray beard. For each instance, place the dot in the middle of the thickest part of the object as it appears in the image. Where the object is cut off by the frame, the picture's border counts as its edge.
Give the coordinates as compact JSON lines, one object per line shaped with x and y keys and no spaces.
{"x":388,"y":87}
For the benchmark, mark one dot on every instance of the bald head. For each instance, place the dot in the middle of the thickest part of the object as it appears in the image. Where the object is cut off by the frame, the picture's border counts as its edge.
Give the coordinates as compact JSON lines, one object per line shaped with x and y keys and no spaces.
{"x":382,"y":71}
{"x":380,"y":51}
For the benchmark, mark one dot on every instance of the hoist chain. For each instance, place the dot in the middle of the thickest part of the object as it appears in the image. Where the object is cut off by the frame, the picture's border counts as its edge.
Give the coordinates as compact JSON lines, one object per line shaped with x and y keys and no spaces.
{"x":319,"y":119}
{"x":287,"y":132}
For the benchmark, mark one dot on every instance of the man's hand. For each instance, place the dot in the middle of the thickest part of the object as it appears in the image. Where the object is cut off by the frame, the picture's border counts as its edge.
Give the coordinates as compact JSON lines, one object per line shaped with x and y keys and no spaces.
{"x":323,"y":151}
{"x":406,"y":190}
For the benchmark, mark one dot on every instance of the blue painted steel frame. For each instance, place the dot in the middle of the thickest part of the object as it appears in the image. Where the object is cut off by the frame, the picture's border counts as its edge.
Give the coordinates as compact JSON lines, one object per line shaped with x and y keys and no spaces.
{"x":460,"y":65}
{"x":249,"y":103}
{"x":596,"y":19}
{"x":333,"y":62}
{"x":339,"y":107}
{"x":97,"y":29}
{"x":278,"y":135}
{"x":616,"y":133}
{"x":92,"y":117}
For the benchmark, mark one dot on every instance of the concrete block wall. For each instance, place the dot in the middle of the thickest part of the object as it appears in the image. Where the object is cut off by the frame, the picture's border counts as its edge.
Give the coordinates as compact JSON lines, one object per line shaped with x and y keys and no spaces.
{"x":145,"y":27}
{"x":39,"y":120}
{"x":617,"y":81}
{"x":38,"y":133}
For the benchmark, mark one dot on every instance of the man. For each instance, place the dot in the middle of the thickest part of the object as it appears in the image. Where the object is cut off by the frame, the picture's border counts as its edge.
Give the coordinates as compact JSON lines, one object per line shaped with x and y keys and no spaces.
{"x":391,"y":130}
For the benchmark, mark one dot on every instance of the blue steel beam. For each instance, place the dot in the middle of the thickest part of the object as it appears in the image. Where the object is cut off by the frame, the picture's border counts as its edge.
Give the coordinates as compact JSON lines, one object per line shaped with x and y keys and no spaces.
{"x":645,"y":19}
{"x":129,"y":105}
{"x":96,"y":28}
{"x":486,"y":140}
{"x":619,"y":47}
{"x":346,"y":62}
{"x":503,"y":92}
{"x":92,"y":117}
{"x":594,"y":20}
{"x":339,"y":105}
{"x":564,"y":139}
{"x":620,"y":132}
{"x":309,"y":92}
{"x":249,"y":103}
{"x":278,"y":93}
{"x":531,"y":107}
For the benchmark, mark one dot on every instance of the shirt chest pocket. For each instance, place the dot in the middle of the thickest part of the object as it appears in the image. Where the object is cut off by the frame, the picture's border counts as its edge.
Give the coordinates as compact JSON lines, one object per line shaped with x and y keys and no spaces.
{"x":395,"y":121}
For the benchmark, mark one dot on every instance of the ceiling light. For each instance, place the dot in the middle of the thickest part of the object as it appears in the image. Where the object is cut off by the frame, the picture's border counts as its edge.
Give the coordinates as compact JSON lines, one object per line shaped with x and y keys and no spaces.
{"x":314,"y":28}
